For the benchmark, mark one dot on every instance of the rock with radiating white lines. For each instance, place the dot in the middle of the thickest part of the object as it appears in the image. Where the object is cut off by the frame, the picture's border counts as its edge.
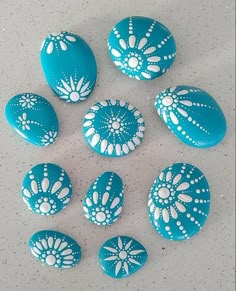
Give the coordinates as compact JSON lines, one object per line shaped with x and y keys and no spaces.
{"x":69,"y":66}
{"x":192,"y":115}
{"x":55,"y":249}
{"x":179,"y":202}
{"x":103,"y":202}
{"x":122,"y":256}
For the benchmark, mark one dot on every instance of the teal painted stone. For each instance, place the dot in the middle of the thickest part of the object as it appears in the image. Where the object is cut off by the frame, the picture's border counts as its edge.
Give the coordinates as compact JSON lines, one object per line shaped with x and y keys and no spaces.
{"x":104,"y":200}
{"x":192,"y":115}
{"x":141,"y":47}
{"x":46,"y":189}
{"x":69,"y":66}
{"x":122,"y":256}
{"x":113,"y":128}
{"x":55,"y":249}
{"x":179,"y":202}
{"x":33,"y":117}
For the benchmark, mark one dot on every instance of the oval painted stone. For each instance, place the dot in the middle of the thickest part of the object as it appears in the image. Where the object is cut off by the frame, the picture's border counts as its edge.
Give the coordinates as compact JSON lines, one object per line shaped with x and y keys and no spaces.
{"x":33,"y":117}
{"x":55,"y":249}
{"x":192,"y":115}
{"x":46,"y":189}
{"x":113,"y":128}
{"x":141,"y":47}
{"x":104,"y":200}
{"x":122,"y":256}
{"x":179,"y":202}
{"x":69,"y":66}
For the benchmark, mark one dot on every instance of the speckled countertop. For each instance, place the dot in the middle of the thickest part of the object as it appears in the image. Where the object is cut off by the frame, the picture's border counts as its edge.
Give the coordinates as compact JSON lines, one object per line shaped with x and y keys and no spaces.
{"x":204,"y":31}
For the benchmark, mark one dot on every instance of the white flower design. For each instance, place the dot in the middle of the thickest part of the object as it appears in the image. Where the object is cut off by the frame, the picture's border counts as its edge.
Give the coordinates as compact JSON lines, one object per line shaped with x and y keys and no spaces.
{"x":27,"y":100}
{"x":73,"y":91}
{"x":58,"y":41}
{"x":24,"y":123}
{"x":49,"y":138}
{"x":124,"y":255}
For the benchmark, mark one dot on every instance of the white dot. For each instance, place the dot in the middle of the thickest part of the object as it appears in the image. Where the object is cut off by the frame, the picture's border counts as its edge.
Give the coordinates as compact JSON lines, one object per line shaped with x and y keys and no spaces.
{"x":133,"y":62}
{"x":167,"y":101}
{"x":74,"y":96}
{"x":50,"y":260}
{"x":164,"y":193}
{"x":45,"y":207}
{"x":123,"y":255}
{"x":100,"y":216}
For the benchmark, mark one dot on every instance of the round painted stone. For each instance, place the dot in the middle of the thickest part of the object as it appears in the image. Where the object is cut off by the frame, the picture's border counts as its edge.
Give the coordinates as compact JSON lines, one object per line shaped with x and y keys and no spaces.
{"x":192,"y":115}
{"x":122,"y":256}
{"x":69,"y":66}
{"x":55,"y":249}
{"x":33,"y":117}
{"x":141,"y":47}
{"x":113,"y":128}
{"x":104,"y":200}
{"x":179,"y":202}
{"x":46,"y":189}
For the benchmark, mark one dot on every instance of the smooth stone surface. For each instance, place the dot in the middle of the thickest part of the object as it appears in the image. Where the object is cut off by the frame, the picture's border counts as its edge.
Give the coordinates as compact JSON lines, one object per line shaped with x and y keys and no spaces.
{"x":113,"y":128}
{"x":33,"y":117}
{"x":46,"y":189}
{"x":141,"y":47}
{"x":104,"y":200}
{"x":192,"y":115}
{"x":122,"y":256}
{"x":69,"y":66}
{"x":179,"y":202}
{"x":55,"y":249}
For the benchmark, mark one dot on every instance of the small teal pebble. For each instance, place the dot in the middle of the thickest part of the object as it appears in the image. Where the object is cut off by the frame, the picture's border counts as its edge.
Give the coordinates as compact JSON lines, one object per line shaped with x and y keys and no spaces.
{"x":55,"y":249}
{"x":46,"y":189}
{"x":69,"y":66}
{"x":141,"y":47}
{"x":113,"y":128}
{"x":104,"y":200}
{"x":33,"y":117}
{"x":179,"y":202}
{"x":192,"y":115}
{"x":122,"y":256}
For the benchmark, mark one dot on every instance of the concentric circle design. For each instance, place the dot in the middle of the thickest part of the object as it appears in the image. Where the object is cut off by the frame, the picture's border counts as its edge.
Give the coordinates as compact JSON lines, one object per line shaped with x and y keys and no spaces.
{"x":179,"y":202}
{"x":46,"y":189}
{"x":113,"y":128}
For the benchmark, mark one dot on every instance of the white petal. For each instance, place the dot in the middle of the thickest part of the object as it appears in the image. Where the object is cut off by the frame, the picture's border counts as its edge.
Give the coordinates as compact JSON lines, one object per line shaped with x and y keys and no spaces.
{"x":112,"y":258}
{"x":34,"y":187}
{"x":177,"y":179}
{"x":67,"y":87}
{"x":180,"y":207}
{"x":154,"y":59}
{"x":185,"y":198}
{"x":145,"y":75}
{"x":85,"y":93}
{"x":186,"y":102}
{"x":27,"y":193}
{"x":150,"y":50}
{"x":63,"y":45}
{"x":103,"y":145}
{"x":66,"y":252}
{"x":56,"y":187}
{"x":88,"y":202}
{"x":89,"y":116}
{"x":134,"y":261}
{"x":50,"y":47}
{"x":168,"y":176}
{"x":125,"y":148}
{"x":115,"y":202}
{"x":182,"y":92}
{"x":63,"y":193}
{"x":142,"y":43}
{"x":36,"y":250}
{"x":118,"y":267}
{"x":164,"y":116}
{"x":62,"y":90}
{"x":120,"y":245}
{"x":174,"y":118}
{"x":157,"y":213}
{"x":136,"y":140}
{"x":79,"y":84}
{"x":132,"y":40}
{"x":182,"y":112}
{"x":131,"y":145}
{"x":118,"y":149}
{"x":110,"y":249}
{"x":105,"y":198}
{"x":95,"y":139}
{"x":115,"y":53}
{"x":95,"y":197}
{"x":183,"y":186}
{"x":126,"y":268}
{"x":44,"y":243}
{"x":84,"y":87}
{"x":123,"y":44}
{"x":72,"y":84}
{"x":63,"y":245}
{"x":110,"y":149}
{"x":71,"y":38}
{"x":173,"y":212}
{"x":89,"y":132}
{"x":153,"y":68}
{"x":128,"y":244}
{"x":57,"y":243}
{"x":118,"y":211}
{"x":165,"y":215}
{"x":45,"y":184}
{"x":50,"y":242}
{"x":136,"y":252}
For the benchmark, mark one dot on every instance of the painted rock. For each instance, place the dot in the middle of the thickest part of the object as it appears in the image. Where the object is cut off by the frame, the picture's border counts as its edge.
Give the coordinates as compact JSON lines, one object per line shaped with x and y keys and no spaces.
{"x":122,"y":256}
{"x":33,"y":117}
{"x":104,"y":200}
{"x":179,"y":202}
{"x":69,"y":66}
{"x":141,"y":47}
{"x":55,"y":249}
{"x":113,"y":128}
{"x":192,"y":115}
{"x":46,"y":189}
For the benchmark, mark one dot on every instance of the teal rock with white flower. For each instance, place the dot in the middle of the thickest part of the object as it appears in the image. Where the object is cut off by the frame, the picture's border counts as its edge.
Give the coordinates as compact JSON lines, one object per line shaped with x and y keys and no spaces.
{"x":104,"y":200}
{"x":141,"y":47}
{"x":179,"y":202}
{"x":55,"y":249}
{"x":122,"y":256}
{"x":113,"y":128}
{"x":33,"y":117}
{"x":46,"y":189}
{"x":69,"y":66}
{"x":192,"y":115}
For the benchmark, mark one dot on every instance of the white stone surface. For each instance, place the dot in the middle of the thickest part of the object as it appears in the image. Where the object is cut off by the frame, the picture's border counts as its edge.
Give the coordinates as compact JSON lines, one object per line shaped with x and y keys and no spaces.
{"x":204,"y":31}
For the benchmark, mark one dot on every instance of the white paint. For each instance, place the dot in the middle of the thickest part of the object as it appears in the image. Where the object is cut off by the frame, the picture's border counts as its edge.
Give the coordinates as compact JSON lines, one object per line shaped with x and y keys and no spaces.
{"x":63,"y":193}
{"x":133,"y":62}
{"x":100,"y":216}
{"x":95,"y":139}
{"x":132,"y":40}
{"x":165,"y":215}
{"x":164,"y":193}
{"x":180,"y":207}
{"x":115,"y":202}
{"x":56,"y":187}
{"x":167,"y":101}
{"x":185,"y":198}
{"x":105,"y":198}
{"x":45,"y":184}
{"x":173,"y":212}
{"x":45,"y":207}
{"x":183,"y":186}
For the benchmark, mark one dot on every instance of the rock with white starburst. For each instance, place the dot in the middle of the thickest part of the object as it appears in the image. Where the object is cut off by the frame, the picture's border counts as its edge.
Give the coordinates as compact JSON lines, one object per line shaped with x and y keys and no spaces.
{"x":122,"y":256}
{"x":46,"y":189}
{"x":192,"y":115}
{"x":113,"y":128}
{"x":104,"y":200}
{"x":69,"y":66}
{"x":179,"y":202}
{"x":141,"y":47}
{"x":55,"y":249}
{"x":33,"y":117}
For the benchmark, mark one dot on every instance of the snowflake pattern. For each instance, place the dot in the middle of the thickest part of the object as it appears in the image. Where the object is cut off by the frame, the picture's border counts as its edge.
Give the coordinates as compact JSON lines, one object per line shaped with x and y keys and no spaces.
{"x":27,"y":100}
{"x":122,"y":256}
{"x":24,"y":122}
{"x":179,"y":202}
{"x":49,"y":138}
